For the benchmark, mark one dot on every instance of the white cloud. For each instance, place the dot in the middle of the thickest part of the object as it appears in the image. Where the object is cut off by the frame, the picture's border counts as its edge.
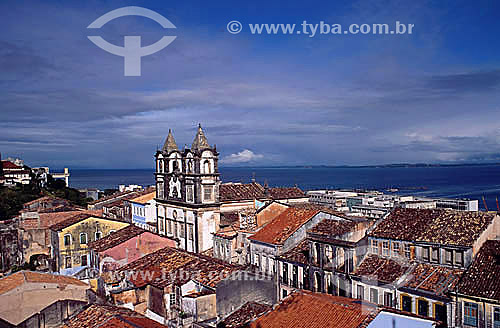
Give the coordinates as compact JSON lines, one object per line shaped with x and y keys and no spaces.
{"x":243,"y":156}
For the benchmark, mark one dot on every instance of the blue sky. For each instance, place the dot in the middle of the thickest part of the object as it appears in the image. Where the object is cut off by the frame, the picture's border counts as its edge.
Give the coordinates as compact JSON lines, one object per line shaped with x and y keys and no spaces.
{"x":432,"y":96}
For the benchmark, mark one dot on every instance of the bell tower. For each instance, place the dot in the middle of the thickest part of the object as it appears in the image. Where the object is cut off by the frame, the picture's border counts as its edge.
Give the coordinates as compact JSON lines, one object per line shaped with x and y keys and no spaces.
{"x":187,"y":192}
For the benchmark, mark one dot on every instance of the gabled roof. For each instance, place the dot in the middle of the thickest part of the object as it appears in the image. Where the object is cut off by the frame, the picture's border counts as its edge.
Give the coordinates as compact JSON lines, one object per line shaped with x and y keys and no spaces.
{"x":116,"y":238}
{"x":107,"y":316}
{"x":246,"y":313}
{"x":333,"y":228}
{"x":298,"y":254}
{"x":169,"y":144}
{"x":19,"y":278}
{"x":434,"y":279}
{"x":446,"y":227}
{"x":386,"y":270}
{"x":171,"y":265}
{"x":200,"y":142}
{"x":286,"y":193}
{"x":314,"y":310}
{"x":10,"y":166}
{"x":240,"y":191}
{"x":482,"y":278}
{"x":284,"y":225}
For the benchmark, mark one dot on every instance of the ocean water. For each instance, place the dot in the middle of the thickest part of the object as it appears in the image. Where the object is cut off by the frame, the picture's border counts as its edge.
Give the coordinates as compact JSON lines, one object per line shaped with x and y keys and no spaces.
{"x":472,"y":182}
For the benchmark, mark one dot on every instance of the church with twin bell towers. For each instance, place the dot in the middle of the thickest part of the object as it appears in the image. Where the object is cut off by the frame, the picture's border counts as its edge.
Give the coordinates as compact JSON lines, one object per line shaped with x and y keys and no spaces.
{"x":187,"y":192}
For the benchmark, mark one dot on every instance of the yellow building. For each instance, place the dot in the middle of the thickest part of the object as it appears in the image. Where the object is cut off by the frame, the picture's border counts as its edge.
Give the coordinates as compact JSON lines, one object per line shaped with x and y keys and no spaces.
{"x":71,"y":237}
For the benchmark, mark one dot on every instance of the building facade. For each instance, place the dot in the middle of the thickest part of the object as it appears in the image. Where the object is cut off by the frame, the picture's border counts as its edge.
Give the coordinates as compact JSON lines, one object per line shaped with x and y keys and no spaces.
{"x":187,"y":192}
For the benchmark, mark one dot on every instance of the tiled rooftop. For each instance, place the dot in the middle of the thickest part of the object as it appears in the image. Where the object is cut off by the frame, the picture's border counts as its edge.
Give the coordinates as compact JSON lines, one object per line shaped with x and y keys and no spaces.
{"x":434,"y":279}
{"x":19,"y":278}
{"x":381,"y":269}
{"x":284,"y":225}
{"x":170,"y":265}
{"x":298,"y":254}
{"x":331,"y":228}
{"x":75,"y":219}
{"x":250,"y":191}
{"x":116,"y":238}
{"x":482,"y":278}
{"x":241,"y":317}
{"x":306,"y":309}
{"x":48,"y":219}
{"x":240,"y":191}
{"x":106,"y":316}
{"x":447,"y":227}
{"x":144,"y":199}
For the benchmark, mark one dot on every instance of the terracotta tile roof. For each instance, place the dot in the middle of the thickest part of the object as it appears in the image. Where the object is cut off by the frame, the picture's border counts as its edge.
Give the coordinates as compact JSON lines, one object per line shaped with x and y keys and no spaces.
{"x":19,"y":278}
{"x":446,"y":227}
{"x":298,"y":254}
{"x":116,"y":238}
{"x":106,"y":316}
{"x":144,"y":199}
{"x":381,"y":269}
{"x":229,"y":218}
{"x":48,"y":219}
{"x":109,"y":197}
{"x":306,"y":309}
{"x":75,"y":219}
{"x":482,"y":278}
{"x":435,"y":279}
{"x":331,"y":228}
{"x":246,"y":313}
{"x":321,"y":208}
{"x":171,"y":265}
{"x":286,"y":193}
{"x":284,"y":225}
{"x":240,"y":191}
{"x":9,"y":165}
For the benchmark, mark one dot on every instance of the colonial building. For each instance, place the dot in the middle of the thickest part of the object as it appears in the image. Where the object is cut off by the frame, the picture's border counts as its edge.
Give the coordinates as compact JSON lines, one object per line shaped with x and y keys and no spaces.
{"x":32,"y":299}
{"x":187,"y":192}
{"x":70,"y":238}
{"x":417,"y":256}
{"x":143,"y":211}
{"x":478,"y":292}
{"x":325,"y":259}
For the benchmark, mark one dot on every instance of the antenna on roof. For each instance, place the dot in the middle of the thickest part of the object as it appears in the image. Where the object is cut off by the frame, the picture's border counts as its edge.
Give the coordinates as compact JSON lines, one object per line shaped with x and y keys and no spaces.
{"x":485,"y":205}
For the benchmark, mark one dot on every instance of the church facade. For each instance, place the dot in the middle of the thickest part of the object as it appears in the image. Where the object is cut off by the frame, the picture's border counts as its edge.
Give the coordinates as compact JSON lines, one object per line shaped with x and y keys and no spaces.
{"x":187,"y":192}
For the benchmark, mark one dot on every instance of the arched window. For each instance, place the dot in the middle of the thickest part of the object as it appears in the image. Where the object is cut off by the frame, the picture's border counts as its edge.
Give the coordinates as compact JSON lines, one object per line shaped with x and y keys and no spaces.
{"x":317,"y":282}
{"x":206,"y":165}
{"x":160,"y":166}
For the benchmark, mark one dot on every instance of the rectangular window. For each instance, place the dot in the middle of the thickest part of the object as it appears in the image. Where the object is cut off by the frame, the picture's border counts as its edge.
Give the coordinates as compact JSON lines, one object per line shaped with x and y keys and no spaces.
{"x":257,"y":260}
{"x":374,"y":295}
{"x":423,"y":308}
{"x":295,"y":276}
{"x":175,"y":230}
{"x":374,"y":247}
{"x":470,"y":314}
{"x":68,"y":262}
{"x":406,"y":303}
{"x":161,"y":226}
{"x":448,"y":256}
{"x":97,"y":235}
{"x":395,"y":249}
{"x":285,"y":273}
{"x":169,"y":227}
{"x":84,"y":260}
{"x":388,"y":299}
{"x":459,"y":258}
{"x":435,"y":255}
{"x":67,"y":240}
{"x":190,"y":193}
{"x":385,"y":248}
{"x":407,"y":251}
{"x":208,"y":193}
{"x":190,"y":232}
{"x":360,"y":292}
{"x":83,"y":238}
{"x":182,"y":232}
{"x":425,"y":253}
{"x":496,"y":318}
